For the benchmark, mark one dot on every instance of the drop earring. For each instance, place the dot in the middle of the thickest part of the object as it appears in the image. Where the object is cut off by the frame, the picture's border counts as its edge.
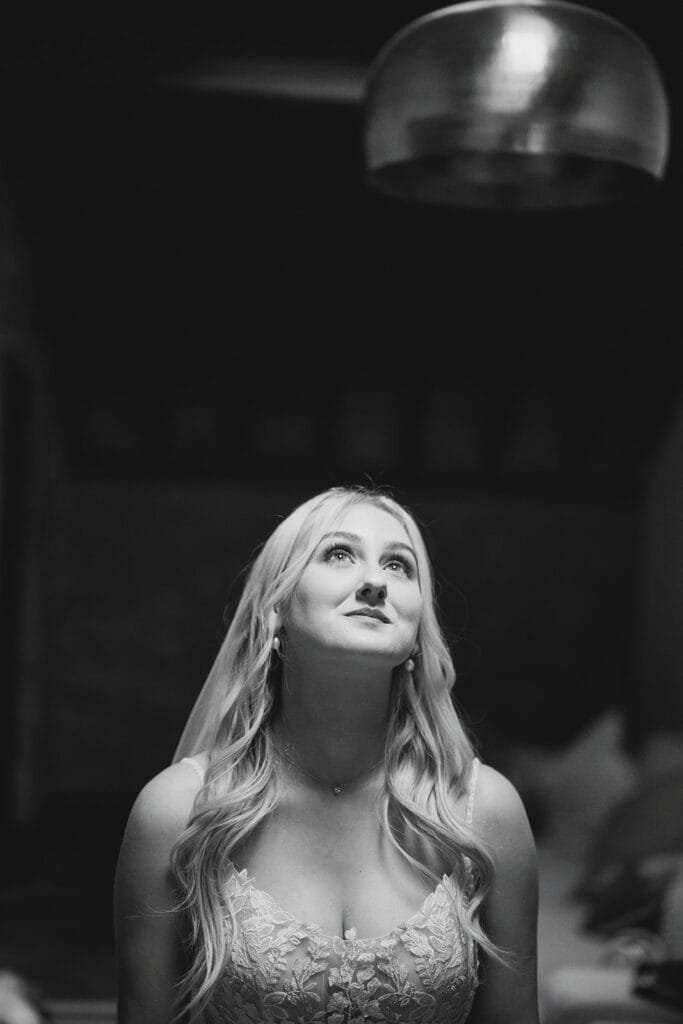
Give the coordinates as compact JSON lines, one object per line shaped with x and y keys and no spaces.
{"x":277,"y":645}
{"x":410,"y":665}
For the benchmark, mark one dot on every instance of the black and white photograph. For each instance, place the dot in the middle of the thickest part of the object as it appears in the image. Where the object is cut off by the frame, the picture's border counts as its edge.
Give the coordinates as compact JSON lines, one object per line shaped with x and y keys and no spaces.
{"x":341,"y":514}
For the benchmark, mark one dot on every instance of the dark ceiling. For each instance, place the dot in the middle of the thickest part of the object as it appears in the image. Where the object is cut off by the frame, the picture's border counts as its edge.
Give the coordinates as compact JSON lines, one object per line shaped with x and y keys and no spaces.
{"x":182,"y":240}
{"x":76,"y":37}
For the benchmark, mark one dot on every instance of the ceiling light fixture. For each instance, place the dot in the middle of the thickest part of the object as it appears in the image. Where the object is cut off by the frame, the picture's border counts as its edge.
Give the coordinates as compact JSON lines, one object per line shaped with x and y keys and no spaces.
{"x":515,"y":104}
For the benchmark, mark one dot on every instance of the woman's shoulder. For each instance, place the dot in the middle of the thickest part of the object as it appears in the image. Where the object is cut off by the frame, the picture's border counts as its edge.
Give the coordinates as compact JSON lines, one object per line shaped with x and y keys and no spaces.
{"x":164,"y":804}
{"x":160,"y":814}
{"x":498,"y":809}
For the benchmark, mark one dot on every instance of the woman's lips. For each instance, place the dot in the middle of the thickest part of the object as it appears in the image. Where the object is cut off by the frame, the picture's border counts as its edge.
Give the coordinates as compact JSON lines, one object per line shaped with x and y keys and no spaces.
{"x":370,"y":613}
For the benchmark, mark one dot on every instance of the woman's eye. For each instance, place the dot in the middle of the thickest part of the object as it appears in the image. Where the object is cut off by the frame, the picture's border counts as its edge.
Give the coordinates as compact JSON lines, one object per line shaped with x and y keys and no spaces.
{"x":398,"y":565}
{"x":340,"y":555}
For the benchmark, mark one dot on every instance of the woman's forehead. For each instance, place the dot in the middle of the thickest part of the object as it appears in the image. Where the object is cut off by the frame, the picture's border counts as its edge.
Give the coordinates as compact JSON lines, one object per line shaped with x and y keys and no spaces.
{"x":372,"y":522}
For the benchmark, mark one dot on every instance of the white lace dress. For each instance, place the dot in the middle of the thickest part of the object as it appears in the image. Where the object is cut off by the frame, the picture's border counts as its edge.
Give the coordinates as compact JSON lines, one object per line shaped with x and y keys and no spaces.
{"x":424,"y":971}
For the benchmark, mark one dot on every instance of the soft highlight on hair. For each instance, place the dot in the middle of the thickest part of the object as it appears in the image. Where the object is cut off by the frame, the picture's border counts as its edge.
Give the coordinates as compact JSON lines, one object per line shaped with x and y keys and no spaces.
{"x":428,"y":755}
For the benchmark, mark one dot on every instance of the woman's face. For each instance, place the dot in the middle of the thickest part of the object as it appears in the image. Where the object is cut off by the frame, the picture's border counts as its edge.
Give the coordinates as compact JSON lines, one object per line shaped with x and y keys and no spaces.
{"x":359,"y":593}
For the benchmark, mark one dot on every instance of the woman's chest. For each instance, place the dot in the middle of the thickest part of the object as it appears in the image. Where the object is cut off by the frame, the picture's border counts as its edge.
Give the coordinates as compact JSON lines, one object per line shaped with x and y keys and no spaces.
{"x":335,"y":867}
{"x":285,"y":970}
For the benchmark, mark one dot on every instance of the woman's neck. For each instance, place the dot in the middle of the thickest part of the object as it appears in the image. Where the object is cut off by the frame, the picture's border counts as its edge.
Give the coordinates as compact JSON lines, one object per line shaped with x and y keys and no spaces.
{"x":336,"y":724}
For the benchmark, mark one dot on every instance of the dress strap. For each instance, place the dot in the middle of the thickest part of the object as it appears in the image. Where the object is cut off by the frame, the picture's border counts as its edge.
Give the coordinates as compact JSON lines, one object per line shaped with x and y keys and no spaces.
{"x":474,"y":772}
{"x":194,"y":764}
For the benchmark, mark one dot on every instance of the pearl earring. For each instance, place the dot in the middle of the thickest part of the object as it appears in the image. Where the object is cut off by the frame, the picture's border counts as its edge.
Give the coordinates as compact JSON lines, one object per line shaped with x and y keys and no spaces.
{"x":410,"y":665}
{"x":277,"y":644}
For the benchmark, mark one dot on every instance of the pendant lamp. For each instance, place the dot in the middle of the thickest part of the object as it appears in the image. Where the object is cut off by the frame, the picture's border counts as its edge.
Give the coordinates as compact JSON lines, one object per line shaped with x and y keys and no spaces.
{"x":515,"y":104}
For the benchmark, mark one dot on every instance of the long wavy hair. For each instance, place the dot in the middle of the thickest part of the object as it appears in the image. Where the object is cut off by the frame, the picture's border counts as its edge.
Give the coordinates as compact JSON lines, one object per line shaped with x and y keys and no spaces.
{"x":428,"y":754}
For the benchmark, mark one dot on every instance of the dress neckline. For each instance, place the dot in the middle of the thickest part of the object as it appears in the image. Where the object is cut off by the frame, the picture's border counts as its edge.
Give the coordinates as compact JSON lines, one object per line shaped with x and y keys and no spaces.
{"x":349,"y":938}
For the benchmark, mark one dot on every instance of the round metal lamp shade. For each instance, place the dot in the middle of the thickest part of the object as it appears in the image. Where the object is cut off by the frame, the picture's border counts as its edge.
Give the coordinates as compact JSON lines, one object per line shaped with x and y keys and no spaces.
{"x":515,"y":105}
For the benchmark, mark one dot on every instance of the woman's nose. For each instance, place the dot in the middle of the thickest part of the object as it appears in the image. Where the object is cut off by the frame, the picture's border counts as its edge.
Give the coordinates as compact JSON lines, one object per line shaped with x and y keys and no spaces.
{"x":372,"y":591}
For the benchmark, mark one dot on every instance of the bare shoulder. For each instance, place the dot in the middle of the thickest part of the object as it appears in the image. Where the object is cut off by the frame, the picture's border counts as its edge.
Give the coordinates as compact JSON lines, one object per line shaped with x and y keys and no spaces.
{"x":510,"y":907}
{"x":160,"y":813}
{"x":499,"y":813}
{"x":163,"y":807}
{"x":148,"y":911}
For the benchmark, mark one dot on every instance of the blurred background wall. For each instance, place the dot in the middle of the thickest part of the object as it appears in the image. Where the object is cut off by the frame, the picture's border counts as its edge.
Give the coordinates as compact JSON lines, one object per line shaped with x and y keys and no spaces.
{"x":207,"y":318}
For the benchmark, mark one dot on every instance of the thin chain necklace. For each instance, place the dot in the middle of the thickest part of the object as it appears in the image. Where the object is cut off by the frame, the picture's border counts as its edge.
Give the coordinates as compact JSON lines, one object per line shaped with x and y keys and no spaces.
{"x":337,"y":789}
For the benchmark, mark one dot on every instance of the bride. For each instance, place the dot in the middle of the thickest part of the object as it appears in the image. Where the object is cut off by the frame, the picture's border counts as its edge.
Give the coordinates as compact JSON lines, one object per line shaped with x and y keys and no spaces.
{"x":326,"y":847}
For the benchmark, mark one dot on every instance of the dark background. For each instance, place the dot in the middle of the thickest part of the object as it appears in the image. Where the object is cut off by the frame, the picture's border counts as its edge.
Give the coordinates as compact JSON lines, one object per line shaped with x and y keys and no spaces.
{"x":209,"y":318}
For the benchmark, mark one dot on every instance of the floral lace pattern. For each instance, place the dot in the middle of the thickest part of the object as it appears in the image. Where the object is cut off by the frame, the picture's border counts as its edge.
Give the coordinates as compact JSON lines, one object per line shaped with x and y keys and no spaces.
{"x":286,"y":972}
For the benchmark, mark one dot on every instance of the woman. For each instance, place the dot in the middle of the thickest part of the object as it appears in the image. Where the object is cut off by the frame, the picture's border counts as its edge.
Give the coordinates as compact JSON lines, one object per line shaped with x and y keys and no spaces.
{"x":326,"y":847}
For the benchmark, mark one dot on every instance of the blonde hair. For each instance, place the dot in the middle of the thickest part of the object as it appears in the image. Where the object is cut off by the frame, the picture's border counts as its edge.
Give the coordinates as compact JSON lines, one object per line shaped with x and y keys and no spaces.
{"x":428,"y":754}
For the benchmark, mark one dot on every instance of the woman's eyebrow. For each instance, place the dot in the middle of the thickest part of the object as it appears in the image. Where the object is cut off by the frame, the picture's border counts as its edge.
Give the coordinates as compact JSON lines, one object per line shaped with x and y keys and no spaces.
{"x":343,"y":535}
{"x":354,"y":538}
{"x":399,"y":544}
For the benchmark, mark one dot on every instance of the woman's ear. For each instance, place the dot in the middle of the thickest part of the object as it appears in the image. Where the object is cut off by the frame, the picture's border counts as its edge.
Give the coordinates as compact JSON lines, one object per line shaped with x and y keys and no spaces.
{"x":275,"y":624}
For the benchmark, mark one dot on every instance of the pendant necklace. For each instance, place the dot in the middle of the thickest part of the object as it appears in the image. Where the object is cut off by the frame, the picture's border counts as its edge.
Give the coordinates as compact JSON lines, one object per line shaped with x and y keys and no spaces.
{"x":337,"y":789}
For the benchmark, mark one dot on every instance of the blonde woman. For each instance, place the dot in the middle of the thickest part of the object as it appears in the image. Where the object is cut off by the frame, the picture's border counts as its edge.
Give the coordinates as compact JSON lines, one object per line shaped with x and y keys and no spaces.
{"x":326,"y":846}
